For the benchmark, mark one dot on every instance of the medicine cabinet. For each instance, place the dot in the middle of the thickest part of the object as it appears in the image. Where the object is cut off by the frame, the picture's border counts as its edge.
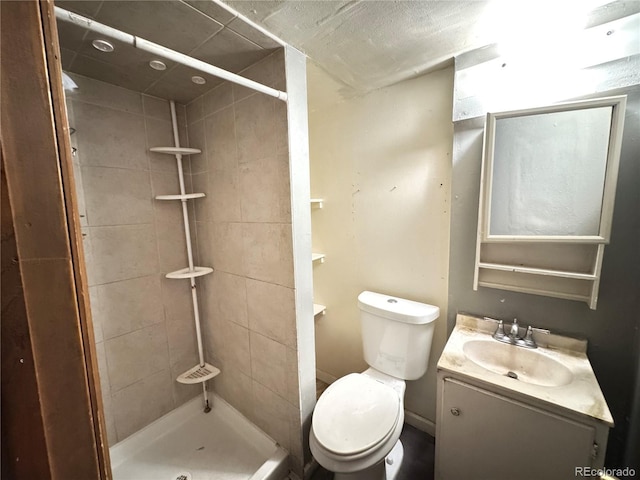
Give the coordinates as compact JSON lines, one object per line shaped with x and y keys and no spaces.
{"x":547,"y":192}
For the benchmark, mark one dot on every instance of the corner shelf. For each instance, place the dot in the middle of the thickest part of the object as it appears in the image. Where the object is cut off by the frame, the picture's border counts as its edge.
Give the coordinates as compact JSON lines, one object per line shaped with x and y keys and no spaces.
{"x":186,"y":196}
{"x":198,"y":374}
{"x":318,"y":257}
{"x":318,"y":309}
{"x":187,"y":273}
{"x":175,"y":150}
{"x":317,"y":202}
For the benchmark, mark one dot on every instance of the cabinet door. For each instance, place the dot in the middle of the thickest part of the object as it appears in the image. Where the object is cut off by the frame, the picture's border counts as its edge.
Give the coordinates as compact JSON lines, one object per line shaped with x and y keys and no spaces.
{"x":484,"y":436}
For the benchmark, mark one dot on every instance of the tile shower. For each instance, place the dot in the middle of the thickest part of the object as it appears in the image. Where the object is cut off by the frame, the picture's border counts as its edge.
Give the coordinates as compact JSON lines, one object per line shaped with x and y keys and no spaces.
{"x":143,"y":322}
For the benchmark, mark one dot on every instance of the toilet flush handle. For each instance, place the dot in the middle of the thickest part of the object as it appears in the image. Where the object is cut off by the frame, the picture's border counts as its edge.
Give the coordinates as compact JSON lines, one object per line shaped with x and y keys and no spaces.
{"x":455,"y":412}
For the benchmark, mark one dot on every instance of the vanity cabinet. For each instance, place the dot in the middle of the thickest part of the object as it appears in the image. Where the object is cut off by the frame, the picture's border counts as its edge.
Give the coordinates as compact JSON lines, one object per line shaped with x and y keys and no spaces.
{"x":484,"y":435}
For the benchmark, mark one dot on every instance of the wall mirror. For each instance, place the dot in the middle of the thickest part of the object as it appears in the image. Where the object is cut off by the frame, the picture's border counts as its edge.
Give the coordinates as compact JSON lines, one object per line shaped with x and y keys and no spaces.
{"x":547,"y":191}
{"x":551,"y":172}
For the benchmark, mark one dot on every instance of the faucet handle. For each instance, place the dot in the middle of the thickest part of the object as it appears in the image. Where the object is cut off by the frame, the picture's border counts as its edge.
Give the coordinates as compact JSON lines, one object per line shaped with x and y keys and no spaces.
{"x":528,"y":338}
{"x":499,"y":333}
{"x":514,"y":328}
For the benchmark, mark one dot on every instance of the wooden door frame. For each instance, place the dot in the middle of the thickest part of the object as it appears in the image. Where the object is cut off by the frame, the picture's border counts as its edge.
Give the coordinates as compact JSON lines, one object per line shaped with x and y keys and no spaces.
{"x":41,"y":199}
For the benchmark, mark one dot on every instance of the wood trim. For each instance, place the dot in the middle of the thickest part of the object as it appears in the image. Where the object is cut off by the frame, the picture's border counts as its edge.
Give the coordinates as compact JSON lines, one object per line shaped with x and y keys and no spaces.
{"x":39,"y":178}
{"x":52,"y":50}
{"x":21,"y":410}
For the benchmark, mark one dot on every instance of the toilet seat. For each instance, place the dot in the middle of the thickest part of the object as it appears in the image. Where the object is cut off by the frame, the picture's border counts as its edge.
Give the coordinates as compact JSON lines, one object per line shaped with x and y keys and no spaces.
{"x":355,"y":414}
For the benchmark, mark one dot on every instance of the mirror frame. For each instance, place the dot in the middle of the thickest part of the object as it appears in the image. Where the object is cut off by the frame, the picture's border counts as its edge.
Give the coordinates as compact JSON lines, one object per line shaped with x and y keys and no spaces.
{"x":618,"y":104}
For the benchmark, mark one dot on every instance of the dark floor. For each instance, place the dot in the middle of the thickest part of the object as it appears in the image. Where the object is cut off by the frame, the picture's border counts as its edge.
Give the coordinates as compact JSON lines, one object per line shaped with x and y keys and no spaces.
{"x":418,"y":461}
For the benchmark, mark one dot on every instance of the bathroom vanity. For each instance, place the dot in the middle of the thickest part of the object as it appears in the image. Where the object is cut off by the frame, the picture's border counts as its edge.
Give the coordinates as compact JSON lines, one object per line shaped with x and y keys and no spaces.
{"x":506,"y":412}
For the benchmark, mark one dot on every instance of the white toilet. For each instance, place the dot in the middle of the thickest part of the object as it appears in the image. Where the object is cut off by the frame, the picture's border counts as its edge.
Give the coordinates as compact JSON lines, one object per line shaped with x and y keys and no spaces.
{"x":357,"y":421}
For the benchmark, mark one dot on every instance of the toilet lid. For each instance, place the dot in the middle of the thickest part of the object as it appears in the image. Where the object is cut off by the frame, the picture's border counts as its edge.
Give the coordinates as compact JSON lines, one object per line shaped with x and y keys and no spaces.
{"x":354,"y":414}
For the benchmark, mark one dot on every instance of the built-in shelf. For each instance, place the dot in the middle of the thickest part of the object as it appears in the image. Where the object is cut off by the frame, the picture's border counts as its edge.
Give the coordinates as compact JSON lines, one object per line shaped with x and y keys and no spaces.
{"x":187,"y":273}
{"x":538,"y":271}
{"x":186,"y":196}
{"x":318,"y":309}
{"x":317,"y":202}
{"x":317,"y":257}
{"x":175,"y":150}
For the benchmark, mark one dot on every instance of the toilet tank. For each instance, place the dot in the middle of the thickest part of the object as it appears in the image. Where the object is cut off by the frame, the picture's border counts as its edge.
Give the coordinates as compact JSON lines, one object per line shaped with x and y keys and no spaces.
{"x":396,"y":334}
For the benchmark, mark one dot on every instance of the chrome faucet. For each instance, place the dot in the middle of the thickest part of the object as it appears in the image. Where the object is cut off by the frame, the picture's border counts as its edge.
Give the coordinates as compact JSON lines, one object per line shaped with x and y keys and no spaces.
{"x":513,"y":333}
{"x":513,"y":338}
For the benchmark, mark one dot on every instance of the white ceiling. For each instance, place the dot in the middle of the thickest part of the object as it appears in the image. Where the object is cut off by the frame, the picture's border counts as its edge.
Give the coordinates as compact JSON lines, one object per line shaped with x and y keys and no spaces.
{"x":369,"y":44}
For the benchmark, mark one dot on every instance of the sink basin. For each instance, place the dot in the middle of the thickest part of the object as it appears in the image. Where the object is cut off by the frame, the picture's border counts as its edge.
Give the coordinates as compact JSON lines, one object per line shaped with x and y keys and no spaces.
{"x":529,"y":366}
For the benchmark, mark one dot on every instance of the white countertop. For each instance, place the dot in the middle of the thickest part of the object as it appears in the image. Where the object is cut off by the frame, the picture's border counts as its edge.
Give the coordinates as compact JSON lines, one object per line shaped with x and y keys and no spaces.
{"x":582,"y":396}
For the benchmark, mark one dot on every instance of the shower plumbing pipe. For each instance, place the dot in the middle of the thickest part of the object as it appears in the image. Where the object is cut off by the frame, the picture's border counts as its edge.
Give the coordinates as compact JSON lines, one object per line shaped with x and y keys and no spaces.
{"x":164,"y":52}
{"x":187,"y":235}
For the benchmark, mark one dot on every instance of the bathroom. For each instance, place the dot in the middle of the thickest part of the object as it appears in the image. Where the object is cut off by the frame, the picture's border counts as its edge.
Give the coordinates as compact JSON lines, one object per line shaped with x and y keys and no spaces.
{"x":392,"y":155}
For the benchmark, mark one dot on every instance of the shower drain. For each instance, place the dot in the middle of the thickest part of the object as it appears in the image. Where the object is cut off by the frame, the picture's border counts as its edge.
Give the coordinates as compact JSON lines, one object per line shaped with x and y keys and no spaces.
{"x":183,"y":476}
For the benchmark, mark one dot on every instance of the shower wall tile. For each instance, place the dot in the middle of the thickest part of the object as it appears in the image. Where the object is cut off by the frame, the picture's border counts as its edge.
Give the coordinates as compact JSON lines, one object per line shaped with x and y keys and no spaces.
{"x":172,"y":246}
{"x":156,"y":107}
{"x":176,"y":299}
{"x":101,"y":355}
{"x":235,"y":348}
{"x":129,"y":305}
{"x":181,"y":337}
{"x":107,"y":404}
{"x":267,"y":252}
{"x":218,"y":98}
{"x":132,"y":204}
{"x":96,"y":319}
{"x":229,"y":297}
{"x":220,"y":136}
{"x":141,"y":403}
{"x":244,"y":231}
{"x":227,"y":245}
{"x":87,"y":248}
{"x":255,"y":128}
{"x":203,"y":240}
{"x":109,"y":420}
{"x":136,"y":355}
{"x":122,"y":252}
{"x":166,"y":183}
{"x":198,"y":162}
{"x":269,"y":71}
{"x":159,"y":133}
{"x":80,"y":197}
{"x":271,"y":413}
{"x":200,"y":183}
{"x":182,"y":393}
{"x":183,"y":356}
{"x":265,"y":194}
{"x":224,"y":199}
{"x":110,"y":138}
{"x":271,"y":311}
{"x":143,"y":322}
{"x":195,"y":110}
{"x":236,"y":388}
{"x":269,"y":363}
{"x":104,"y":94}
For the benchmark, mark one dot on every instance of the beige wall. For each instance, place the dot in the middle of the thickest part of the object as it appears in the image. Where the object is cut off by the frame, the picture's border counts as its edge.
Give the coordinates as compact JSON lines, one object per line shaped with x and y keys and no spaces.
{"x":382,"y":162}
{"x":143,"y":322}
{"x":244,"y":231}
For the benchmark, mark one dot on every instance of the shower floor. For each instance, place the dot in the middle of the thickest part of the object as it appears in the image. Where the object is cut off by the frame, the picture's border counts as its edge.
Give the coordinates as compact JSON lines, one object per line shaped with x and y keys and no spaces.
{"x":187,"y":444}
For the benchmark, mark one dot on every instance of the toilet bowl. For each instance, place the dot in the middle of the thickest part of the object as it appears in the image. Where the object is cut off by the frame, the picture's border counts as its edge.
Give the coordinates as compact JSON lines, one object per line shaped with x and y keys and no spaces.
{"x":357,"y":421}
